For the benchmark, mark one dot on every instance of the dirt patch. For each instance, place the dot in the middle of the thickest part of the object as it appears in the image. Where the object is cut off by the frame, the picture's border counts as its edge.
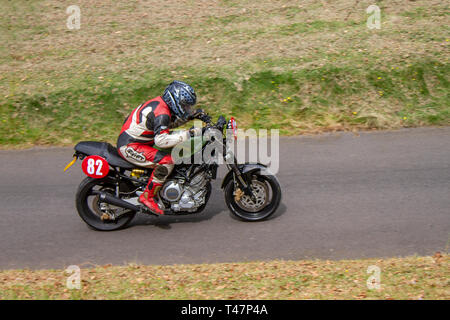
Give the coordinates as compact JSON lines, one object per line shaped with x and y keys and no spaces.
{"x":394,"y":278}
{"x":115,"y":36}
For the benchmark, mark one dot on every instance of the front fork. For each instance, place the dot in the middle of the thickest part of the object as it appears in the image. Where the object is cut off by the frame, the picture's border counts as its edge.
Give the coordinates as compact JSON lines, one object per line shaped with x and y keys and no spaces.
{"x":241,"y":183}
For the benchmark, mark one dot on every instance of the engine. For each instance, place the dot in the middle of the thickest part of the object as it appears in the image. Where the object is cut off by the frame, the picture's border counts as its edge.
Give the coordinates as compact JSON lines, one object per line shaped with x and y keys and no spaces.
{"x":185,"y":196}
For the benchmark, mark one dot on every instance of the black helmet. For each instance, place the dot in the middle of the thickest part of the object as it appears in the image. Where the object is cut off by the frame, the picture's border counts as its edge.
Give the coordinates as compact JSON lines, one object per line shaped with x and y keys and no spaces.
{"x":180,"y":97}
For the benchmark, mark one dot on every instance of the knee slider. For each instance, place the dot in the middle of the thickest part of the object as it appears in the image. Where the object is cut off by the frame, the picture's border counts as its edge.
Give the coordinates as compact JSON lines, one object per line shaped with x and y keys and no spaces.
{"x":161,"y":172}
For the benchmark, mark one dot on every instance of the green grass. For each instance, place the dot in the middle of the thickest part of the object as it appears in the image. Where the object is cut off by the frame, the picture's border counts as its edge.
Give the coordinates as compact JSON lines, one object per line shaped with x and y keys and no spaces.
{"x":292,"y":101}
{"x":300,"y":68}
{"x":422,"y":12}
{"x":314,"y":26}
{"x":400,"y":278}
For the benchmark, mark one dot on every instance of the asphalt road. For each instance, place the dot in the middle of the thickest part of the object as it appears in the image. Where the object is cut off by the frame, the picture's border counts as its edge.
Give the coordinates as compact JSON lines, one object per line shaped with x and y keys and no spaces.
{"x":378,"y":194}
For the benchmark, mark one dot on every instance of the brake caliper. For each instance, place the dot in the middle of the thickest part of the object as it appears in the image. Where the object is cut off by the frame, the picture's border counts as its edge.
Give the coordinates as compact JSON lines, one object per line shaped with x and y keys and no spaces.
{"x":238,"y":194}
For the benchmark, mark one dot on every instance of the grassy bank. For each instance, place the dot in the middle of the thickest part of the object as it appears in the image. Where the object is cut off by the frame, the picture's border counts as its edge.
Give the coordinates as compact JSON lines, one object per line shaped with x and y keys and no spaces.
{"x":306,"y":67}
{"x":400,"y":278}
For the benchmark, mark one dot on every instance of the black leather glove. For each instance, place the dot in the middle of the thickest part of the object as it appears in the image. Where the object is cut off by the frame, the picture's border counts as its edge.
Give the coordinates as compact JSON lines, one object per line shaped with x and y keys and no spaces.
{"x":204,"y":117}
{"x":195,"y":114}
{"x":201,"y":115}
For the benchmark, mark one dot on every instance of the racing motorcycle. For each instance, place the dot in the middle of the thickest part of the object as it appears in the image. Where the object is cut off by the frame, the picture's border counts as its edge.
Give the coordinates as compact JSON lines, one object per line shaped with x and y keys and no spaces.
{"x":107,"y":199}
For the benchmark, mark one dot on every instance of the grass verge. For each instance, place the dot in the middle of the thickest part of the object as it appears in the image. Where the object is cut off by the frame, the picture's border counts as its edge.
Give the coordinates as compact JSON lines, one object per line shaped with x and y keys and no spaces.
{"x":298,"y":67}
{"x":400,"y":278}
{"x":324,"y":99}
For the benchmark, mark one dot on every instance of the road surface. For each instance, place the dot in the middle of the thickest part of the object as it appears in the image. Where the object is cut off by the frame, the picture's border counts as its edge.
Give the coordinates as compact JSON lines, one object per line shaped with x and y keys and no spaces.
{"x":376,"y":194}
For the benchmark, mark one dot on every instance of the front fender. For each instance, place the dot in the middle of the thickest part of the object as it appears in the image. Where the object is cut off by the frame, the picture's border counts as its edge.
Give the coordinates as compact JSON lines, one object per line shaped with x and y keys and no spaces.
{"x":245,"y":169}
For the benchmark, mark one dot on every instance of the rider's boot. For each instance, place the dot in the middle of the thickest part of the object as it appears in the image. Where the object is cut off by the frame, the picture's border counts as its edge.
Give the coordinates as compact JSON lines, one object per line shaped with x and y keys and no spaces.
{"x":148,"y":197}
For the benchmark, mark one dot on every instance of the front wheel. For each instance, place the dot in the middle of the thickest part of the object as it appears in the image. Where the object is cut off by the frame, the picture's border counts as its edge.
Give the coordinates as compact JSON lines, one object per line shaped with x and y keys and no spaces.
{"x":268,"y":197}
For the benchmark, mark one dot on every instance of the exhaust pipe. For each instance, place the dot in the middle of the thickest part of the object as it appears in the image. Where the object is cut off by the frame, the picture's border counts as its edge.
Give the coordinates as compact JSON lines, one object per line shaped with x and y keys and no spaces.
{"x":104,"y":197}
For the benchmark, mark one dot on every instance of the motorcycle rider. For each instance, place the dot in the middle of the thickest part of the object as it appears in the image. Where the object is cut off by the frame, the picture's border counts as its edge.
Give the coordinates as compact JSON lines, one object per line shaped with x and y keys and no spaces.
{"x":148,"y":126}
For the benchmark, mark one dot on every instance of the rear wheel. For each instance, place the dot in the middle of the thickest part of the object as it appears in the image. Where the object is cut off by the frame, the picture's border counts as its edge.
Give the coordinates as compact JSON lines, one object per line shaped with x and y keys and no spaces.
{"x":99,"y":215}
{"x":268,"y":196}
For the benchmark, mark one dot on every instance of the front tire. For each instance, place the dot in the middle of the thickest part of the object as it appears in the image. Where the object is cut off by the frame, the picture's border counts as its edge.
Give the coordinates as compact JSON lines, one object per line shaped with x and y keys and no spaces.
{"x":268,"y":190}
{"x":88,"y":205}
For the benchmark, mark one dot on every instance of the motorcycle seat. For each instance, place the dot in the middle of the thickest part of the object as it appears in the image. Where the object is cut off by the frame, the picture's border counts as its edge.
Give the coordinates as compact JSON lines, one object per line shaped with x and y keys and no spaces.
{"x":105,"y":150}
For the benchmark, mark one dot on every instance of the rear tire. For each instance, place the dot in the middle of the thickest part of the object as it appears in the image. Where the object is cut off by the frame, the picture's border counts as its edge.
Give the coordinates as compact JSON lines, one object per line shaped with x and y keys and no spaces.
{"x":88,"y":213}
{"x":272,"y":191}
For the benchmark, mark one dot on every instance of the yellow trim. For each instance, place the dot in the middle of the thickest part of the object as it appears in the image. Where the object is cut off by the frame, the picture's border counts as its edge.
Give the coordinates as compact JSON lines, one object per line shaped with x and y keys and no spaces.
{"x":70,"y":163}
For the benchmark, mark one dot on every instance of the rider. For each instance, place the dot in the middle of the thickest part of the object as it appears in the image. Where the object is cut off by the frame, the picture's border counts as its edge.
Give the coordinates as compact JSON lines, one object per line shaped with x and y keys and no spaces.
{"x":148,"y":126}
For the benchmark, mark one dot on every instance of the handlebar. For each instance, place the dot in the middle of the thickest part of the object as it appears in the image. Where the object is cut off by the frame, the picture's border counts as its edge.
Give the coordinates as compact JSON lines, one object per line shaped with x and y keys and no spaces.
{"x":203,"y":116}
{"x":219,"y":125}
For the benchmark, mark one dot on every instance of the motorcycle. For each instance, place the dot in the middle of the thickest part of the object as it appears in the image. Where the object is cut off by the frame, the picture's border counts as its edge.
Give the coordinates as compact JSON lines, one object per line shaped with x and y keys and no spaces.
{"x":107,"y":199}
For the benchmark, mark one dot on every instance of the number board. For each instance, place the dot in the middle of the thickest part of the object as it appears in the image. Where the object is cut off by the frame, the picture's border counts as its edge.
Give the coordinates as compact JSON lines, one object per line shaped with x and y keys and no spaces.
{"x":95,"y":167}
